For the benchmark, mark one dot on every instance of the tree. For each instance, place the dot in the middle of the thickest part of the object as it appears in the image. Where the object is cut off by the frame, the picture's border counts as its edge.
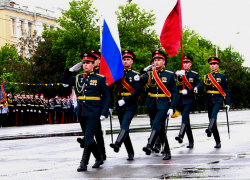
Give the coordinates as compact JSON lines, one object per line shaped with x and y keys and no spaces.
{"x":78,"y":31}
{"x":135,"y":33}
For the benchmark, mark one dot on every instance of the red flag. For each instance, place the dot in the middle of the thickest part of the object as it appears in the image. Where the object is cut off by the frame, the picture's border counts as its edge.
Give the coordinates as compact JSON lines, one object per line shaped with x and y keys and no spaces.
{"x":171,"y":32}
{"x":2,"y":91}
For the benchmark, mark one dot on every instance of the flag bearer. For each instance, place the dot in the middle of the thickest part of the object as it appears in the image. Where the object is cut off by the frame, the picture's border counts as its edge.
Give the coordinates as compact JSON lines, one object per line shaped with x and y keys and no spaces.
{"x":162,"y":100}
{"x":127,"y":103}
{"x":186,"y":100}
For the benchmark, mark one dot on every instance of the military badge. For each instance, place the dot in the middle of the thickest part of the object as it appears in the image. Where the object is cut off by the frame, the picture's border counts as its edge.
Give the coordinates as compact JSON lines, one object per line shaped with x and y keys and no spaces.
{"x":164,"y":79}
{"x":191,"y":79}
{"x":130,"y":79}
{"x":218,"y":79}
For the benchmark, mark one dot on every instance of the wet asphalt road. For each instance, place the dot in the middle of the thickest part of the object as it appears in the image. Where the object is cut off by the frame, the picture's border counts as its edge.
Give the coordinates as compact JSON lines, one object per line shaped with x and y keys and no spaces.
{"x":57,"y":155}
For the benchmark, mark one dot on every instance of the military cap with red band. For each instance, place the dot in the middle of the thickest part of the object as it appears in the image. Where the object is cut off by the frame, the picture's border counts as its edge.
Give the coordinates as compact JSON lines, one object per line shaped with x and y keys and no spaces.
{"x":96,"y":53}
{"x":159,"y":54}
{"x":128,"y":53}
{"x":213,"y":60}
{"x":187,"y":58}
{"x":88,"y":56}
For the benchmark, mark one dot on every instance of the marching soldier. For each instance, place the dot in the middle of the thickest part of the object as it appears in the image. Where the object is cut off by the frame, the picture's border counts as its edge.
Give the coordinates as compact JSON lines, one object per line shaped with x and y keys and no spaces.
{"x":127,"y":103}
{"x":186,"y":101}
{"x":93,"y":100}
{"x":217,"y":95}
{"x":162,"y":100}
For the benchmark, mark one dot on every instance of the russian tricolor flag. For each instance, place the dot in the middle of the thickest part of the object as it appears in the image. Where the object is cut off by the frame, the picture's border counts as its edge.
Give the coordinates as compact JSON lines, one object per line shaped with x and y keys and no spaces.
{"x":111,"y":60}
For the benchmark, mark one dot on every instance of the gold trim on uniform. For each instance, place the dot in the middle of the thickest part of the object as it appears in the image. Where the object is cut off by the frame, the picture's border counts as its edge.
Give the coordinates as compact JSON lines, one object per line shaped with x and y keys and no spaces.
{"x":89,"y":98}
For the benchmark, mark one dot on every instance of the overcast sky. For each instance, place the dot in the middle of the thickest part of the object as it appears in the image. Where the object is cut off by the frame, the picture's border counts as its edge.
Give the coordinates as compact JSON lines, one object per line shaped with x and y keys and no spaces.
{"x":223,"y":22}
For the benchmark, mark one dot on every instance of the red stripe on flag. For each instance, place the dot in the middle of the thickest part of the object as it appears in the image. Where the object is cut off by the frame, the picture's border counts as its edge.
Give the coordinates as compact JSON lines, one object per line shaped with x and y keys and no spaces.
{"x":104,"y":70}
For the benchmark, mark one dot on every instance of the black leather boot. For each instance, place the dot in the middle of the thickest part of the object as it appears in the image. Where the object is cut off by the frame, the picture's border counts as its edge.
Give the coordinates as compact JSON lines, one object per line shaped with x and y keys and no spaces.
{"x":81,"y":141}
{"x":218,"y":145}
{"x":157,"y":146}
{"x":148,"y":148}
{"x":130,"y":157}
{"x":210,"y":128}
{"x":122,"y":135}
{"x":190,"y":145}
{"x":179,"y":138}
{"x":98,"y":156}
{"x":85,"y":158}
{"x":167,"y":155}
{"x":190,"y":136}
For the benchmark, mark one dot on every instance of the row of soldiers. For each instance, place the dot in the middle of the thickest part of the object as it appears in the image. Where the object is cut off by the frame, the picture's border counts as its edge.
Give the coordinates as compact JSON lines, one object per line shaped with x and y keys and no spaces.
{"x":162,"y":101}
{"x":29,"y":109}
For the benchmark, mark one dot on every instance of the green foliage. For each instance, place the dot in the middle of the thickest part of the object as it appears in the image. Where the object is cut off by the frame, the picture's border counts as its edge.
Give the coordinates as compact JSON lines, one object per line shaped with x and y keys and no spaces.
{"x":77,"y":33}
{"x":135,"y":33}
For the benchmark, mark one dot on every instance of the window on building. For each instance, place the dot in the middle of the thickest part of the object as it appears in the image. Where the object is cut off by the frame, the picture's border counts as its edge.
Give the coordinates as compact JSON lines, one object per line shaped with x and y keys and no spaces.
{"x":12,"y":21}
{"x":29,"y":29}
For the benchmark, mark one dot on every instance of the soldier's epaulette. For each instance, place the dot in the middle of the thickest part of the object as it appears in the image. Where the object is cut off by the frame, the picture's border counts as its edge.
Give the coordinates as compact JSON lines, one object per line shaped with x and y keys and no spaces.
{"x":169,"y":71}
{"x":194,"y":72}
{"x":99,"y":75}
{"x":135,"y":71}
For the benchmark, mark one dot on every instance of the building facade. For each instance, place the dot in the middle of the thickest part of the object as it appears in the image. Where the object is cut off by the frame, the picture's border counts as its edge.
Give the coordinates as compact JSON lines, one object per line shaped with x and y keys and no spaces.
{"x":17,"y":21}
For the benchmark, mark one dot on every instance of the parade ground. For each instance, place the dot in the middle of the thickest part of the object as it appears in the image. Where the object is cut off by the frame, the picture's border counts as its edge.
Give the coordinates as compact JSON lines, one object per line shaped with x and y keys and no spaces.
{"x":52,"y":152}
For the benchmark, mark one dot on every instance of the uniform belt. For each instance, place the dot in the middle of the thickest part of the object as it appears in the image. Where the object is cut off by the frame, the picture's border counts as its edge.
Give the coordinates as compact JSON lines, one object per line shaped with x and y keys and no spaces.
{"x":125,"y":94}
{"x":37,"y":105}
{"x":213,"y":92}
{"x":57,"y":106}
{"x":23,"y":104}
{"x":11,"y":105}
{"x":89,"y":98}
{"x":157,"y":95}
{"x":18,"y":105}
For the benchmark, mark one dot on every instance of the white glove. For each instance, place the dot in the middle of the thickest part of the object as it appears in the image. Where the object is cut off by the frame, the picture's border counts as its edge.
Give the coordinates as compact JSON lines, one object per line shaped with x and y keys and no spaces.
{"x":148,"y":67}
{"x":102,"y":117}
{"x":76,"y":67}
{"x":195,"y":90}
{"x":110,"y":111}
{"x":180,"y":73}
{"x":184,"y":92}
{"x":170,"y":112}
{"x":121,"y":102}
{"x":137,"y":77}
{"x":65,"y":85}
{"x":227,"y":107}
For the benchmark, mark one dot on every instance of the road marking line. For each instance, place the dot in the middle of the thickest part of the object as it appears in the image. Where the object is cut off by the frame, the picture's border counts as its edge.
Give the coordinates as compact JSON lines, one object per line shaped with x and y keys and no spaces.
{"x":171,"y":164}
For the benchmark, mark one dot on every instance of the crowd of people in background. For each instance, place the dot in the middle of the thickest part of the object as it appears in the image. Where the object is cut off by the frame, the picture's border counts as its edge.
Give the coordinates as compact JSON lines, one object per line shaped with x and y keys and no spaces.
{"x":22,"y":109}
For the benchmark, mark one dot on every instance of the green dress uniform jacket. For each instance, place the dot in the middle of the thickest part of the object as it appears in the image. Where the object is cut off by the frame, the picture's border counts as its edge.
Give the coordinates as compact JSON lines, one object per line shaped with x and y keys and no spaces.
{"x":212,"y":98}
{"x":194,"y":80}
{"x":131,"y":101}
{"x":89,"y":86}
{"x":168,"y":79}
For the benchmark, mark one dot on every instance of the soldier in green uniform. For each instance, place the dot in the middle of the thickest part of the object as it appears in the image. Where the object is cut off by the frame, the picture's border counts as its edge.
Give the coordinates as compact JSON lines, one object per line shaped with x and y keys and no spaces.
{"x":217,"y":94}
{"x":93,"y":100}
{"x":162,"y":100}
{"x":127,"y":103}
{"x":186,"y":100}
